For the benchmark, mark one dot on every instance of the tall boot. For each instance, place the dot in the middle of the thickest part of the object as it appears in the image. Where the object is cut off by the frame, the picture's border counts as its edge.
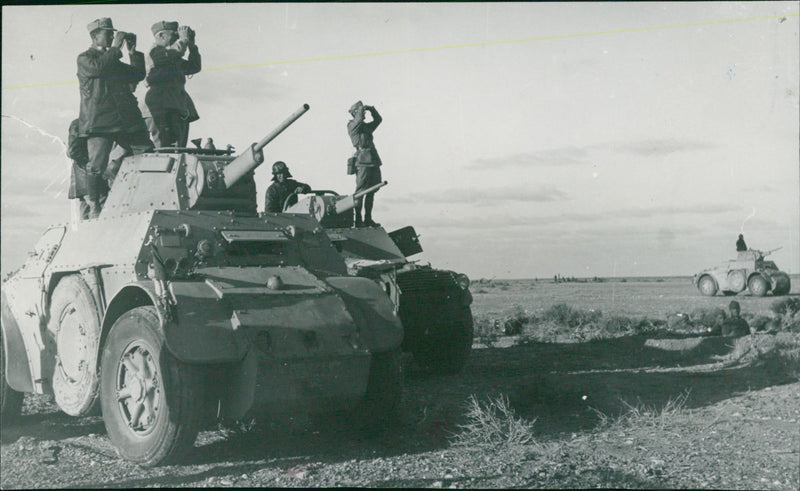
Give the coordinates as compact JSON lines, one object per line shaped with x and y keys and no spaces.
{"x":368,"y":222}
{"x":359,"y":223}
{"x":112,"y":170}
{"x":94,"y":184}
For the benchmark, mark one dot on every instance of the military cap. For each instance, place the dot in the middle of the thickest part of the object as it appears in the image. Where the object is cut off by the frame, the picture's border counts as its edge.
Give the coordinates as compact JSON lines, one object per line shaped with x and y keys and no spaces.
{"x":355,"y":106}
{"x":163,"y":25}
{"x":101,"y":23}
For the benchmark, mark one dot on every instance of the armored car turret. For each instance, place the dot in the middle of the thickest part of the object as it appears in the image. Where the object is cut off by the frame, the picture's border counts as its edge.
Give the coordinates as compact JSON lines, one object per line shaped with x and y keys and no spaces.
{"x":180,"y":305}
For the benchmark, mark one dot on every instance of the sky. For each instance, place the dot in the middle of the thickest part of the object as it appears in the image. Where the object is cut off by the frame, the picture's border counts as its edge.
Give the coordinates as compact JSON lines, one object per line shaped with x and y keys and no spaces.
{"x":520,"y":140}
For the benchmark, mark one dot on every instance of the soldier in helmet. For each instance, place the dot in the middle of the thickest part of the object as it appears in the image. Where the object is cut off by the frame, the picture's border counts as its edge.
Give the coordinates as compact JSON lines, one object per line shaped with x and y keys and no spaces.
{"x":168,"y":109}
{"x":282,"y":187}
{"x":368,"y":162}
{"x":109,"y":113}
{"x":735,"y":325}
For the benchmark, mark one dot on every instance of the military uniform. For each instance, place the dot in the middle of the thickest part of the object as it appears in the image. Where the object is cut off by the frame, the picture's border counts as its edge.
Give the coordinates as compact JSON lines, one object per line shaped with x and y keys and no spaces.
{"x":279,"y":191}
{"x":368,"y":162}
{"x":740,"y":244}
{"x":735,"y":327}
{"x":167,"y":107}
{"x":109,"y":112}
{"x":78,"y":152}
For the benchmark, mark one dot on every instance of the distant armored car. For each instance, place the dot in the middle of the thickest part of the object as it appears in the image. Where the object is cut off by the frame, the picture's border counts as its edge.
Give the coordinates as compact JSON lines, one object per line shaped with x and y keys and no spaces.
{"x":180,"y":305}
{"x":749,"y":271}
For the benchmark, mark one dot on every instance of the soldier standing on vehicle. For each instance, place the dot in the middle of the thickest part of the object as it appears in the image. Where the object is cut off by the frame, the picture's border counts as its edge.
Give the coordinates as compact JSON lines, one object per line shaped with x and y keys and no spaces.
{"x":78,"y":152}
{"x":282,"y":188}
{"x":109,"y":112}
{"x":740,"y":245}
{"x":368,"y":162}
{"x":168,"y":109}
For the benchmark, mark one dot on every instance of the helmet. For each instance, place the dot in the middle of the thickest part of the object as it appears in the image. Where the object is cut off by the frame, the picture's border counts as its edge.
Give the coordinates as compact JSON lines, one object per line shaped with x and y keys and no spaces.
{"x":280,"y":167}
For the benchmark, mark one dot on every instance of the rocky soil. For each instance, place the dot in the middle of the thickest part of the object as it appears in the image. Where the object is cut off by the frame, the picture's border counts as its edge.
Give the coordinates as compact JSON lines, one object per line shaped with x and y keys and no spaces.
{"x":630,"y":413}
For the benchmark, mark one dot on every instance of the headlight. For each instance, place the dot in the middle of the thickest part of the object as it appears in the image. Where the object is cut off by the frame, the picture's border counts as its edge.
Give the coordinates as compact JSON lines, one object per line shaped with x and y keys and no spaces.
{"x":463,"y":281}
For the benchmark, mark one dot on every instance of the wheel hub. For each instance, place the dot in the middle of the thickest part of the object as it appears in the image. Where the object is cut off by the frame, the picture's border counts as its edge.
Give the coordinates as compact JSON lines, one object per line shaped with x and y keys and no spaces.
{"x":138,"y":389}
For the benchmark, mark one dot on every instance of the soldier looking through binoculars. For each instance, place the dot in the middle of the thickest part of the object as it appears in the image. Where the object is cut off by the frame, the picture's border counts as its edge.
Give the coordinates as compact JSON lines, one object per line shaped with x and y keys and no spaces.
{"x":167,"y":107}
{"x":109,"y":112}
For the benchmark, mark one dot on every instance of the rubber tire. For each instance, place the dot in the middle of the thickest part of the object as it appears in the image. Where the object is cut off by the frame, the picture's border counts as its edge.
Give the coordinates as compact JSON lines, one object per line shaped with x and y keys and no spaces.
{"x":737,"y":281}
{"x":73,"y":297}
{"x":10,"y":399}
{"x":447,"y":356}
{"x":176,"y":426}
{"x":782,"y":287}
{"x":707,"y":286}
{"x":384,"y":391}
{"x":757,"y":285}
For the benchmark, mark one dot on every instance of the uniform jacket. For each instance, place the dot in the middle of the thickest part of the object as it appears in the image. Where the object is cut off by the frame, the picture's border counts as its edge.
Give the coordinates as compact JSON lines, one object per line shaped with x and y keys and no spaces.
{"x":166,"y":77}
{"x":279,"y":191}
{"x":361,"y":136}
{"x":107,"y":103}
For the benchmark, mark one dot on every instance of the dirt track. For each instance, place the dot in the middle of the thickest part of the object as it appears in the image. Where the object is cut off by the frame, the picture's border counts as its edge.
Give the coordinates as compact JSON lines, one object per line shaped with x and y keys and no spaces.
{"x":738,"y":429}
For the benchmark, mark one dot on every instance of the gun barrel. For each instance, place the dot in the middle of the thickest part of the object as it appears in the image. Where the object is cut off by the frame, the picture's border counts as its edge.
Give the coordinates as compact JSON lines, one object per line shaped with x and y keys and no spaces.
{"x":253,"y":157}
{"x":349,"y":202}
{"x":370,"y":190}
{"x":277,"y":131}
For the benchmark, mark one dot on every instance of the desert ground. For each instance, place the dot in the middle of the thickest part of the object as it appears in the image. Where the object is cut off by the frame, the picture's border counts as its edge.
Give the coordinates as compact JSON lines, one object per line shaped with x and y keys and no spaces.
{"x":660,"y":406}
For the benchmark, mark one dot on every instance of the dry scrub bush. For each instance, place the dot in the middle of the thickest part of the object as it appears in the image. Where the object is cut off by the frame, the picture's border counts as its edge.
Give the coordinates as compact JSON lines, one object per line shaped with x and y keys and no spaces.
{"x":790,"y":305}
{"x":566,"y":315}
{"x":781,"y":352}
{"x":710,"y":318}
{"x":787,"y":311}
{"x":563,"y":323}
{"x":492,"y":424}
{"x":485,"y":331}
{"x":648,"y":416}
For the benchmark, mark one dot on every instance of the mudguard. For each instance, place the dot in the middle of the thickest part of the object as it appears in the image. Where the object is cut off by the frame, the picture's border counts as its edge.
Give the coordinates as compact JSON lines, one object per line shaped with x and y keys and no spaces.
{"x":18,"y":373}
{"x":372,"y":310}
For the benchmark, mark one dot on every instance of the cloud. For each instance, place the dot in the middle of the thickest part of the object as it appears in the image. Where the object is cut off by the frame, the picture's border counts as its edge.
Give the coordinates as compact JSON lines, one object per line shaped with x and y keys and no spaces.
{"x":572,"y":155}
{"x":704,"y":209}
{"x":474,"y":221}
{"x":539,"y":194}
{"x":656,"y":147}
{"x":555,"y":156}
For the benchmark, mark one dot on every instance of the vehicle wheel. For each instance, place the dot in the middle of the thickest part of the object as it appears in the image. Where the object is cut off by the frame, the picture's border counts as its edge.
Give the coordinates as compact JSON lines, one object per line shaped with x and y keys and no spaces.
{"x":782,"y":285}
{"x":75,"y":327}
{"x":152,"y":403}
{"x":447,"y":355}
{"x":707,"y":286}
{"x":10,"y":399}
{"x":384,"y":390}
{"x":737,"y":280}
{"x":757,"y":285}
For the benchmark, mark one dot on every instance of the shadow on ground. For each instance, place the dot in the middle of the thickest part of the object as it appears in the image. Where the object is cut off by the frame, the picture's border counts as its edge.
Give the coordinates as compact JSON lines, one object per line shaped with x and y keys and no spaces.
{"x":563,"y":386}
